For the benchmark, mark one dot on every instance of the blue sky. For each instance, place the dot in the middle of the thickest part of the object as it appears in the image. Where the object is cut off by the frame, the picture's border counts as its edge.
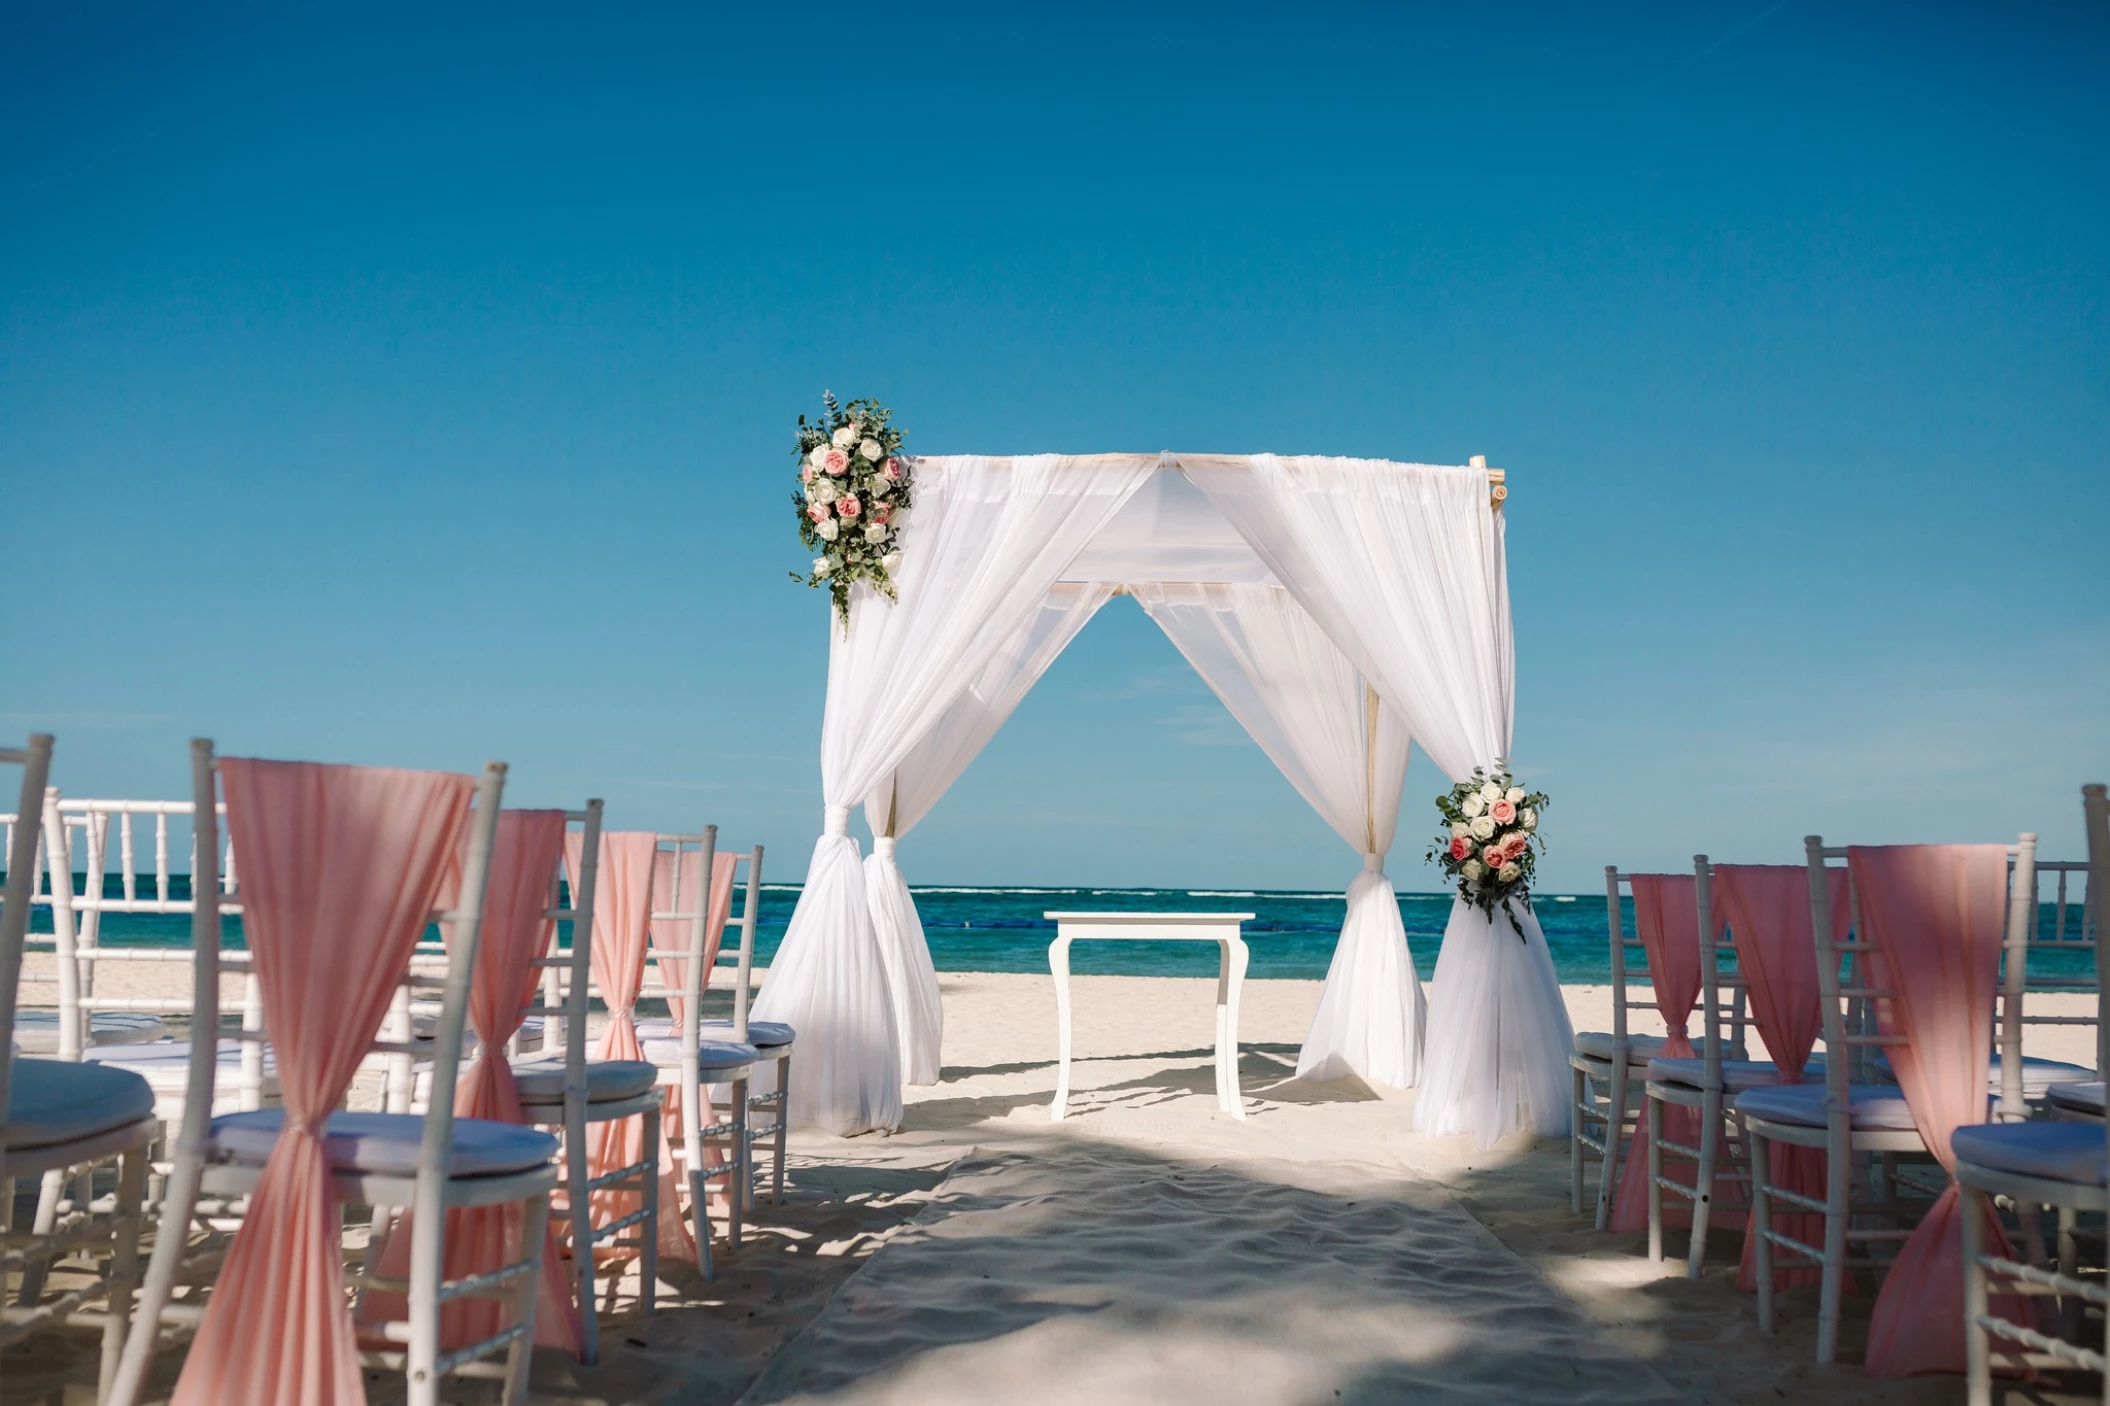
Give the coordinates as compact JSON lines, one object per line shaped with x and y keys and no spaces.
{"x":416,"y":385}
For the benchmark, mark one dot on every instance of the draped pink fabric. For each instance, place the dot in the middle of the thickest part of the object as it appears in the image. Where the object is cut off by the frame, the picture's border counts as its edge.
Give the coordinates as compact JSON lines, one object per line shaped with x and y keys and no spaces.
{"x":1667,"y":920}
{"x":670,"y":936}
{"x":1935,"y":914}
{"x":1767,"y":907}
{"x":622,"y":916}
{"x":340,"y":866}
{"x":516,"y":930}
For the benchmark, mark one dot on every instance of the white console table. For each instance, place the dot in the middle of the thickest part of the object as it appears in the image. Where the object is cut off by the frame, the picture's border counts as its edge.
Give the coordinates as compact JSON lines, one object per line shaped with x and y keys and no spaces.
{"x":1219,"y":928}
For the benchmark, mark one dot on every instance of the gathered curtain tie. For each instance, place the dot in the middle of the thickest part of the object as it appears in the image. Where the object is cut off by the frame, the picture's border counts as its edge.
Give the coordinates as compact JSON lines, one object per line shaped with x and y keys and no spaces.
{"x":1677,"y":1030}
{"x":1373,"y":864}
{"x":883,"y":846}
{"x":837,"y":821}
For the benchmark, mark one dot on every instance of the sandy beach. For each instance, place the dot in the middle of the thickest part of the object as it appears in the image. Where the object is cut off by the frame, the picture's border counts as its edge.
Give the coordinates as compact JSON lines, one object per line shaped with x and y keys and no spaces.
{"x":1150,"y":1249}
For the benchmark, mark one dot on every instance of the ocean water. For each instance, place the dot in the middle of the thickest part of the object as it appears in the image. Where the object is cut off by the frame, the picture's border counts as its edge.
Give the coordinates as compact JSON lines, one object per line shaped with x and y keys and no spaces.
{"x":1291,"y":934}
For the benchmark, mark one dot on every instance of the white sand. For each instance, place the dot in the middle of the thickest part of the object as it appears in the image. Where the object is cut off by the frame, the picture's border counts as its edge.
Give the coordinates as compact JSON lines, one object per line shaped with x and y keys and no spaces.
{"x":1272,"y":1280}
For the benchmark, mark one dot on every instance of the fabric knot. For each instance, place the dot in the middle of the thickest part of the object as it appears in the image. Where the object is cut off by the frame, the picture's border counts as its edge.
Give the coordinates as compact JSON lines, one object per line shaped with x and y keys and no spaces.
{"x":1373,"y":864}
{"x":837,"y":821}
{"x":883,"y":846}
{"x":1678,"y":1031}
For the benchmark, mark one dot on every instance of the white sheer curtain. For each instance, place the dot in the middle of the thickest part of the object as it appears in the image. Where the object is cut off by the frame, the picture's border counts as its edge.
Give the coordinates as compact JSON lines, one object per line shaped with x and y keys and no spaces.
{"x":981,"y":549}
{"x":1402,"y":566}
{"x":915,"y":786}
{"x":1324,"y":726}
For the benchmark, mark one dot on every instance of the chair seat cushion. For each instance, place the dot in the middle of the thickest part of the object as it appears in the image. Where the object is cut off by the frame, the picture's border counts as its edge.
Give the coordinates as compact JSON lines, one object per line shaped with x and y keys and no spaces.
{"x":1876,"y":1107}
{"x":50,"y":1101}
{"x":2084,"y":1097}
{"x":607,"y":1080}
{"x":165,"y":1064}
{"x":1737,"y":1074}
{"x":37,"y":1032}
{"x":762,"y":1034}
{"x":1597,"y":1044}
{"x":2069,"y":1152}
{"x":2038,"y":1075}
{"x":386,"y":1144}
{"x":711,"y":1054}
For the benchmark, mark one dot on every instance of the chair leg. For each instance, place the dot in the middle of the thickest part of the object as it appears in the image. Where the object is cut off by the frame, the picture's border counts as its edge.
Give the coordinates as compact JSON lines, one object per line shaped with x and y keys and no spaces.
{"x":1837,"y":1208}
{"x":1978,"y":1374}
{"x":578,"y":1207}
{"x":700,"y":1221}
{"x":737,"y":1174}
{"x":49,"y":1193}
{"x":534,"y":1224}
{"x":783,"y":1121}
{"x":1614,"y":1132}
{"x":1580,"y":1086}
{"x":648,"y":1263}
{"x":421,"y":1358}
{"x":1654,"y":1171}
{"x":1761,"y":1226}
{"x":124,"y":1264}
{"x":171,"y":1242}
{"x":1703,"y":1184}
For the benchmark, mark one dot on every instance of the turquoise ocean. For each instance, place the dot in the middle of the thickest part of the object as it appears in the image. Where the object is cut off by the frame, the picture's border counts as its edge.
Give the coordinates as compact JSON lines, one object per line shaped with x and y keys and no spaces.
{"x":1292,"y":933}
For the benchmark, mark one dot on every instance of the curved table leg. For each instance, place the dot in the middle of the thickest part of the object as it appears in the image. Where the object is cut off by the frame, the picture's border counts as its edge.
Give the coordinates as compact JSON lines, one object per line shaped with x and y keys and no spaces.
{"x":1059,"y":968}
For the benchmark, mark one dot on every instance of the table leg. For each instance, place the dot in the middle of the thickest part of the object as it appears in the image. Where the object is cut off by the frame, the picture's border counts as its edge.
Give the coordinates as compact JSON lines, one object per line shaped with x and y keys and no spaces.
{"x":1223,"y":997}
{"x":1059,"y":968}
{"x":1235,"y":949}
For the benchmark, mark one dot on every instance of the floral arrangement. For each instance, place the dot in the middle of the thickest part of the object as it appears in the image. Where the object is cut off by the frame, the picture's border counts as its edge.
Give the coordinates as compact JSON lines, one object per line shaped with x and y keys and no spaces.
{"x":1491,"y":837}
{"x":854,"y":486}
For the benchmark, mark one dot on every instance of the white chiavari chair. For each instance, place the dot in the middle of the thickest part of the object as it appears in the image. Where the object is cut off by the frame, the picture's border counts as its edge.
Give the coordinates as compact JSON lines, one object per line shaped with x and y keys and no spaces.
{"x":62,"y":1116}
{"x":2038,"y":962}
{"x":573,"y":1091}
{"x":1614,"y":1059}
{"x":2062,"y":1164}
{"x":431,"y":1162}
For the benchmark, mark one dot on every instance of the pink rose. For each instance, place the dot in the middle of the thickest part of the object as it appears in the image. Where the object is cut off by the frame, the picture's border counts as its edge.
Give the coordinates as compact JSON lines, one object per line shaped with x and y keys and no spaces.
{"x":848,"y":506}
{"x":1460,"y":849}
{"x":817,"y":511}
{"x":1495,"y":855}
{"x":883,"y":513}
{"x":893,"y":468}
{"x":806,"y":474}
{"x":1503,"y":812}
{"x":836,"y":461}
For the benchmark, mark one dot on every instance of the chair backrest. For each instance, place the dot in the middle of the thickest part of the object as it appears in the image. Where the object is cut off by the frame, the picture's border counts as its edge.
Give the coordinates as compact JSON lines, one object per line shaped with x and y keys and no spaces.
{"x":212,"y":899}
{"x":76,"y":937}
{"x":2030,"y":941}
{"x":745,"y":919}
{"x":35,"y":761}
{"x":1722,"y":1027}
{"x":567,"y":977}
{"x":690,"y":862}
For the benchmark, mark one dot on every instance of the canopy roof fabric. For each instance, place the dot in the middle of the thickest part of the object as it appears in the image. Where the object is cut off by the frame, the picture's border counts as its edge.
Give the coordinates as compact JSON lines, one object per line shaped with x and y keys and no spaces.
{"x":1363,"y":599}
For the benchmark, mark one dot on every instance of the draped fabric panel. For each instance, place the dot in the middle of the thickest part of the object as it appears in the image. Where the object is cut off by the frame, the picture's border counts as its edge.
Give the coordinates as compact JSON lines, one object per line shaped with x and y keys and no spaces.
{"x":1301,"y":700}
{"x":985,"y":542}
{"x":1667,"y":920}
{"x":1401,"y":565}
{"x":915,"y":786}
{"x":340,"y":868}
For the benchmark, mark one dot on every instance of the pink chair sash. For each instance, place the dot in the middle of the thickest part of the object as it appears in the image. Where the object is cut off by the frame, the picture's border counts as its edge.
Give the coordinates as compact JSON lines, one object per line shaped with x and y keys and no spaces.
{"x":481,"y":1239}
{"x":622,"y":916}
{"x":340,"y":867}
{"x":1935,"y":914}
{"x":670,"y":936}
{"x":1667,"y":919}
{"x":1767,"y":907}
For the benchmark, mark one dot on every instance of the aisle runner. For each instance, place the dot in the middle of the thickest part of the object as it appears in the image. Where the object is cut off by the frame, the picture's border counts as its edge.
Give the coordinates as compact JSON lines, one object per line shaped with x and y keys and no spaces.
{"x":1104,"y":1275}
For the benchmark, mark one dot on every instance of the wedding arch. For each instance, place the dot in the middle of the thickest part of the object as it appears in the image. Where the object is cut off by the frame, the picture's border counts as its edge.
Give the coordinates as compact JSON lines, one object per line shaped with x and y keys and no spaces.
{"x":1339,"y":607}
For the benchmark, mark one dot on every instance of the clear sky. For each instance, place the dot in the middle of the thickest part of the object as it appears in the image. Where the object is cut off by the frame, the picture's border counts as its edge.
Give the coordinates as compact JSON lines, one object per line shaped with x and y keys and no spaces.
{"x":417,"y":385}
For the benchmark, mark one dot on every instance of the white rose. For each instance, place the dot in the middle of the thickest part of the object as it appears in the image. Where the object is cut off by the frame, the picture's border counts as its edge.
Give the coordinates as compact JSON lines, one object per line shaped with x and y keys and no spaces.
{"x":1516,"y":795}
{"x":1508,"y":873}
{"x":891,"y":562}
{"x":817,"y":454}
{"x":876,"y":531}
{"x":879,"y":487}
{"x":1473,"y":805}
{"x":1490,"y":792}
{"x":1459,"y":829}
{"x":844,"y":437}
{"x":827,"y":528}
{"x":870,"y":449}
{"x":824,"y":491}
{"x":1472,"y":869}
{"x":1528,"y":818}
{"x":1483,"y":827}
{"x":824,"y":566}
